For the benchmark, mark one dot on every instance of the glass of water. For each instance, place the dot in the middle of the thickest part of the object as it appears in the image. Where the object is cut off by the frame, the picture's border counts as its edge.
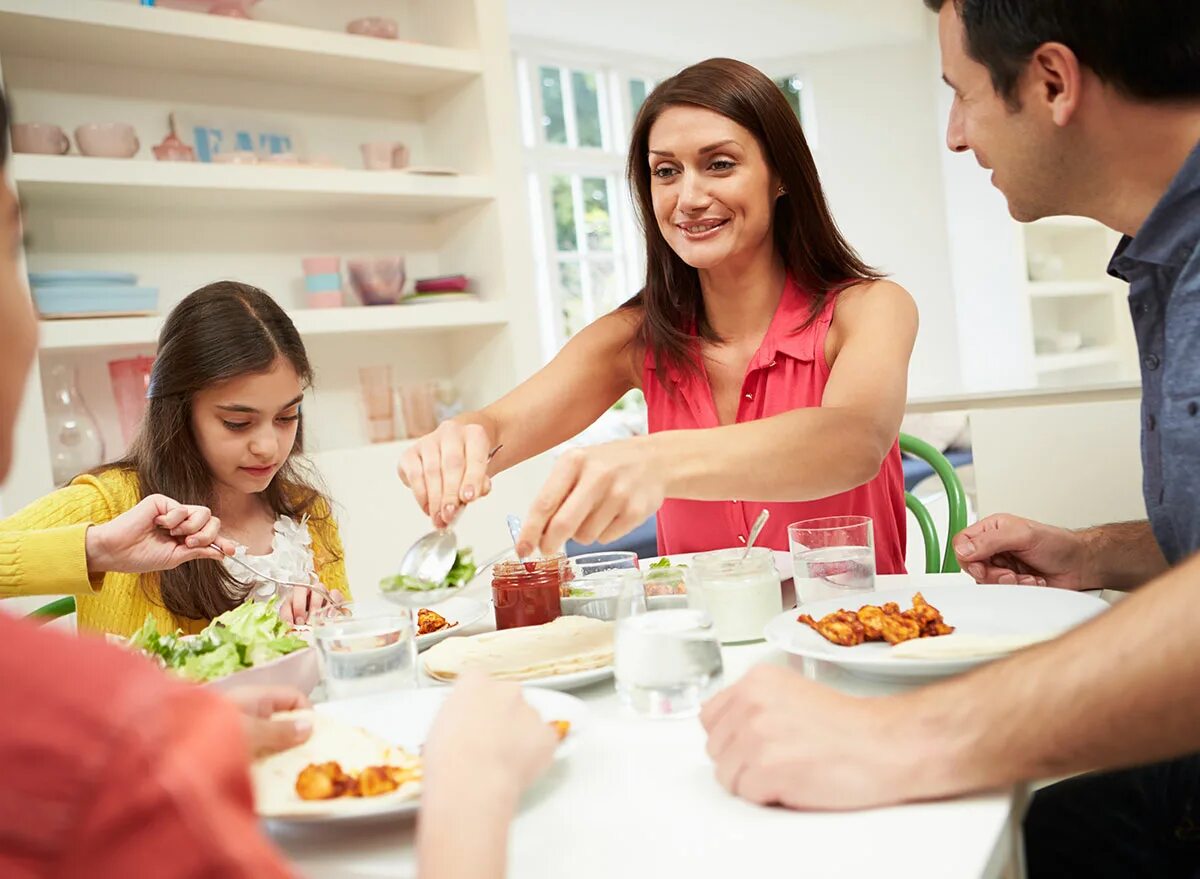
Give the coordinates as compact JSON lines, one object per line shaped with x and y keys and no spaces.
{"x":361,"y":655}
{"x":667,"y":662}
{"x":832,"y":556}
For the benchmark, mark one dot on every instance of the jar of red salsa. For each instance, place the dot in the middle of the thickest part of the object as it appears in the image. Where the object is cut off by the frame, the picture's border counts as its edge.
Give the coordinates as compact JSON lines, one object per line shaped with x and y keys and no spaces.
{"x":528,"y":593}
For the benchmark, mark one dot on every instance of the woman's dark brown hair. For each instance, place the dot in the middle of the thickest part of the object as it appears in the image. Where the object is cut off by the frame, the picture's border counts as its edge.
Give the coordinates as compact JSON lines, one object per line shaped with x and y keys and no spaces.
{"x":217,"y":333}
{"x":806,"y":238}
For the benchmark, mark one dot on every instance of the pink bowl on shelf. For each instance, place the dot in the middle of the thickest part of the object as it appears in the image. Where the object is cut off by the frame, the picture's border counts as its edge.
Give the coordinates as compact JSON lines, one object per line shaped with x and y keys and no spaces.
{"x":378,"y":281}
{"x":380,"y":28}
{"x":109,"y":140}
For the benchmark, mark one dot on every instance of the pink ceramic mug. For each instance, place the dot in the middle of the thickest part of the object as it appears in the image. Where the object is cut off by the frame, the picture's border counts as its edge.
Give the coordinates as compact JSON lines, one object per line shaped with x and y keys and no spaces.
{"x":39,"y":137}
{"x":112,"y":140}
{"x":382,"y":155}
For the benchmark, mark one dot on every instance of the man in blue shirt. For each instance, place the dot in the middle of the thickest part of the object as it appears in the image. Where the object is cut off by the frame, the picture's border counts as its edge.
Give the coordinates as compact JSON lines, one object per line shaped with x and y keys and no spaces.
{"x":1090,"y":109}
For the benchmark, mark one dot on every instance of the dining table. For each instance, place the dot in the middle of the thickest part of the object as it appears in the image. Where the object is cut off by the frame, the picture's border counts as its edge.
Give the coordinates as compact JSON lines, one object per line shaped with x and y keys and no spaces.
{"x":638,"y":797}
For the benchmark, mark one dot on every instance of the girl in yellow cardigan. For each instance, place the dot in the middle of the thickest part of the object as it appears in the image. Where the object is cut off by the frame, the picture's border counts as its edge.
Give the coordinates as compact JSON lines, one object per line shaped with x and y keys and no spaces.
{"x":215,"y":470}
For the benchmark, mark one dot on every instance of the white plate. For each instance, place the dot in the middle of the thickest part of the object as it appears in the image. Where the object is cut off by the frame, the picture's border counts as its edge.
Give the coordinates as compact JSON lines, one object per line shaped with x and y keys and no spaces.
{"x":404,"y":718}
{"x":971,"y":609}
{"x":573,"y":681}
{"x":463,"y":610}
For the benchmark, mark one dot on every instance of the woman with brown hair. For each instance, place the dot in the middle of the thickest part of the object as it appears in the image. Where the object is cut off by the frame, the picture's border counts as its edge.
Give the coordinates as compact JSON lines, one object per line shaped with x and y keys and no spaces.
{"x":773,"y":360}
{"x":221,"y":437}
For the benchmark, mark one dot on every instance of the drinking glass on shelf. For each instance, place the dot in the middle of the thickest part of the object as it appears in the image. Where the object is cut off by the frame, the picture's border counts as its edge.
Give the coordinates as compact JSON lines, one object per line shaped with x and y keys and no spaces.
{"x":417,"y":402}
{"x":667,"y":662}
{"x":832,"y":556}
{"x":377,"y":402}
{"x":130,"y":383}
{"x":362,"y":655}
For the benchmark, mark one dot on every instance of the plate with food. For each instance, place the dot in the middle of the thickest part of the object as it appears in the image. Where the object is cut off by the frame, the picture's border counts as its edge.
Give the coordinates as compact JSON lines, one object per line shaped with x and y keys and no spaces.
{"x":448,"y":618}
{"x":363,"y":760}
{"x":249,"y":645}
{"x":566,"y":653}
{"x":928,"y":632}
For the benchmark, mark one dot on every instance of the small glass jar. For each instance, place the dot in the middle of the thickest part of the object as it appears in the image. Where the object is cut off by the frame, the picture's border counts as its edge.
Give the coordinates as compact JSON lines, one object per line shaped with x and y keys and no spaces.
{"x":528,"y":593}
{"x":741,"y":594}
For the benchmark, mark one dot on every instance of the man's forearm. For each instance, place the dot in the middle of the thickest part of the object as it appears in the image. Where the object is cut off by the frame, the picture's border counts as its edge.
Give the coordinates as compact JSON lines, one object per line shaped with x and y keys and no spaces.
{"x":1123,"y":555}
{"x":1115,"y":692}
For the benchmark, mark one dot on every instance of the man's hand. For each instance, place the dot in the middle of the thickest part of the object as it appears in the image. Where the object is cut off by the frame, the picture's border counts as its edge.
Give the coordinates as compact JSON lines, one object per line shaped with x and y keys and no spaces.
{"x":1011,"y":550}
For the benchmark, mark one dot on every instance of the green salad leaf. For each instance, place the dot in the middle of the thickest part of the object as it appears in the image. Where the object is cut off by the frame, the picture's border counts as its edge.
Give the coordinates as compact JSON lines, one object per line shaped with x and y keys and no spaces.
{"x":664,"y":562}
{"x":460,"y":574}
{"x":250,"y":634}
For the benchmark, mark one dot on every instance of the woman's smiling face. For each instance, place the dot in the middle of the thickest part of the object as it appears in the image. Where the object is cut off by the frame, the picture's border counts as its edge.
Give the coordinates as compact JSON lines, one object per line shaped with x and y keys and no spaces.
{"x":713,"y":191}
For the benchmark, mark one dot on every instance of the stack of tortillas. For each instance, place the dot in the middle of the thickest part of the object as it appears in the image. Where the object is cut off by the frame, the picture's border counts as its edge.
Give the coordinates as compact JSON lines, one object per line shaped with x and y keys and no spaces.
{"x":567,"y":645}
{"x":274,"y":777}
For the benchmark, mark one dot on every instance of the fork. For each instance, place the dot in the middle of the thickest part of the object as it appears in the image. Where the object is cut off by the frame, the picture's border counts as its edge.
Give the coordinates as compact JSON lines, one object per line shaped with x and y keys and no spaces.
{"x":320,"y":590}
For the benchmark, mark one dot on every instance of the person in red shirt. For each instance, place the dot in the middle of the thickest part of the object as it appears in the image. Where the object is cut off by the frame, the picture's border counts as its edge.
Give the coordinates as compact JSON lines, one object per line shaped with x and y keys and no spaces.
{"x":111,"y":768}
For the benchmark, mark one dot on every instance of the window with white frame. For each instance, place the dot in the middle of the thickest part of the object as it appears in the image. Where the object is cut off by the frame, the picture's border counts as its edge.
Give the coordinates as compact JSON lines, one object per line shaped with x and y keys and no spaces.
{"x":576,"y":121}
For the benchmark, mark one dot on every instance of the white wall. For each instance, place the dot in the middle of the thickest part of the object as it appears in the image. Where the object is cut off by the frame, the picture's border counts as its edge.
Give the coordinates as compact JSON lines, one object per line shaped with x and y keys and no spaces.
{"x":878,"y":154}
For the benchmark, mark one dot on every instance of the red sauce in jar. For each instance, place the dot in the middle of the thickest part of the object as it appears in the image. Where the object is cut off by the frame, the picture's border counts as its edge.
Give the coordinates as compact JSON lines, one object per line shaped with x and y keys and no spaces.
{"x":528,"y":593}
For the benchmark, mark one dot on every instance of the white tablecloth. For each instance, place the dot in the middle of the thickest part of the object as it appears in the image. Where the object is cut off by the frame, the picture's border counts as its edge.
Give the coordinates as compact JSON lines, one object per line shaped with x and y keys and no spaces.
{"x":638,"y":798}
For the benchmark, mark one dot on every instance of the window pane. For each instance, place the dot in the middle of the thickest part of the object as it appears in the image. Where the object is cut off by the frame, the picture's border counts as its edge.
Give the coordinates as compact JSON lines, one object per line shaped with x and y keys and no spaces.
{"x":587,"y":109}
{"x":605,"y":295}
{"x":574,"y":318}
{"x":564,"y":213}
{"x":554,"y":125}
{"x":638,"y":89}
{"x":596,"y":220}
{"x":791,"y":87}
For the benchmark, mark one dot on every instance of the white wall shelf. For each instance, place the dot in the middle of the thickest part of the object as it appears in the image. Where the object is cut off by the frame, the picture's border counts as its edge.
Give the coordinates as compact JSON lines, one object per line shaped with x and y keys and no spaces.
{"x":139,"y":186}
{"x":60,"y":335}
{"x":1066,"y":289}
{"x":448,"y":95}
{"x":1084,"y":357}
{"x":104,"y":32}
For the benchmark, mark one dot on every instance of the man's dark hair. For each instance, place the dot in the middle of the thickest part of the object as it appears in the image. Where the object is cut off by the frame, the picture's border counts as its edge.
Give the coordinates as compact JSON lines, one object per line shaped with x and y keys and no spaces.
{"x":1147,"y":49}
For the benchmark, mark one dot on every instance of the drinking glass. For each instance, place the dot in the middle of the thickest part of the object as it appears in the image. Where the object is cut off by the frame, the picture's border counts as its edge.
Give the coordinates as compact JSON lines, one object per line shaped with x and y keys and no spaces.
{"x":667,"y":662}
{"x":832,"y":556}
{"x":377,"y":401}
{"x":361,"y":655}
{"x":417,"y":404}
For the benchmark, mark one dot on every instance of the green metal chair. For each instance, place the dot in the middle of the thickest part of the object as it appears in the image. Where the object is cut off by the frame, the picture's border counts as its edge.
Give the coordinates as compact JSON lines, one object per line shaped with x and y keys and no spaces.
{"x":60,"y":607}
{"x":956,"y":497}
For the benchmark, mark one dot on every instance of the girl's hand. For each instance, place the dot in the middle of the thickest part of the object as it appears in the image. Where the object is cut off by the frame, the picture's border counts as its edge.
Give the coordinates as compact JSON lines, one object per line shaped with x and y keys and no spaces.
{"x":299,"y":605}
{"x":595,"y":493}
{"x":447,"y":470}
{"x":264,"y":733}
{"x":156,"y":535}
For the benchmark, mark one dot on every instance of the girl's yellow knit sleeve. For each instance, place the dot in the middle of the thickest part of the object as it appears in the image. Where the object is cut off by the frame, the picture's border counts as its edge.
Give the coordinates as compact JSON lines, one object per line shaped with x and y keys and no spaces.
{"x":42,"y":549}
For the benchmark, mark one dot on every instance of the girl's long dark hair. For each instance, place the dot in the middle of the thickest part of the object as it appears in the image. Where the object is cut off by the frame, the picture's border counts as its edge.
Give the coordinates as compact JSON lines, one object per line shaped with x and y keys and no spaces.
{"x":806,"y":237}
{"x":217,"y":333}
